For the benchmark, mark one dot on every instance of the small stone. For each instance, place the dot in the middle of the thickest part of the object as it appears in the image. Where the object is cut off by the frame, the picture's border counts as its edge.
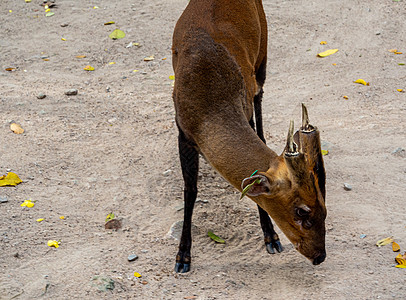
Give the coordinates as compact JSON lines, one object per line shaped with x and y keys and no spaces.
{"x":362,"y":236}
{"x":64,"y":25}
{"x":71,"y":92}
{"x":399,"y":152}
{"x":371,"y":272}
{"x":167,"y":172}
{"x":3,"y":199}
{"x":41,"y":96}
{"x":44,"y":56}
{"x":132,"y":257}
{"x":347,"y":187}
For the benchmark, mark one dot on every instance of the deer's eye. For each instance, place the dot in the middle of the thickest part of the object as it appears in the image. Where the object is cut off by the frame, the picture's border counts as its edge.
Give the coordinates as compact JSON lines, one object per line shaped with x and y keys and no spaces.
{"x":302,"y":212}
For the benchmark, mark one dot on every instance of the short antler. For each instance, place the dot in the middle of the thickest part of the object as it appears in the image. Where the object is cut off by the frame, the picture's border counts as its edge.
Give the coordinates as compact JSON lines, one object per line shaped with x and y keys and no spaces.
{"x":291,"y":146}
{"x":305,"y":120}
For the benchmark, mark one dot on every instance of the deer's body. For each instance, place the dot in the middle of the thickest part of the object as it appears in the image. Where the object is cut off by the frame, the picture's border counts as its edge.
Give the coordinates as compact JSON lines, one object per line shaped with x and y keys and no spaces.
{"x":219,"y":59}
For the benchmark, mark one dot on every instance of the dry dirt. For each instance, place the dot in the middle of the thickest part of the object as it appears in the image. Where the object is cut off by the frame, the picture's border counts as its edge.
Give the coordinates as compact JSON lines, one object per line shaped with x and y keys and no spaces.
{"x":113,"y":148}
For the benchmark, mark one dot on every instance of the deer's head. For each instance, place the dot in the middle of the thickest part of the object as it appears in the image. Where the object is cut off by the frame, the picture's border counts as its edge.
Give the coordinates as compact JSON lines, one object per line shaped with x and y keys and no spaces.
{"x":293,"y":191}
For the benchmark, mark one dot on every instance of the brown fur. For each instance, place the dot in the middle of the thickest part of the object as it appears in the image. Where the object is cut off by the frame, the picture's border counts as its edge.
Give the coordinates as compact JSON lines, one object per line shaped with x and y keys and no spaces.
{"x":218,"y":48}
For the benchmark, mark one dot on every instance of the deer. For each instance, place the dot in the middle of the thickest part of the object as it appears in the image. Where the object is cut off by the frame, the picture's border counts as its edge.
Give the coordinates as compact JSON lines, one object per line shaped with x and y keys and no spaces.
{"x":219,"y":57}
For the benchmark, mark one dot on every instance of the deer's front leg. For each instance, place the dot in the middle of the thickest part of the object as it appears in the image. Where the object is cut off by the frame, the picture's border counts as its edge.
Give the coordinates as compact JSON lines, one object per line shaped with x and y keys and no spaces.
{"x":189,"y":159}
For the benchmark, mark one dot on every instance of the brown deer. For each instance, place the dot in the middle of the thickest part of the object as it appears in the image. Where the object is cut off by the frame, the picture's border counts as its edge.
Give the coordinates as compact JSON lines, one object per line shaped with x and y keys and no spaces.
{"x":219,"y":58}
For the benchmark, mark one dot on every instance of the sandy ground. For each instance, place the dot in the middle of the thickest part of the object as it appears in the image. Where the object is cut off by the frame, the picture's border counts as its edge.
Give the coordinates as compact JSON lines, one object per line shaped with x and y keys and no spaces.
{"x":113,"y":148}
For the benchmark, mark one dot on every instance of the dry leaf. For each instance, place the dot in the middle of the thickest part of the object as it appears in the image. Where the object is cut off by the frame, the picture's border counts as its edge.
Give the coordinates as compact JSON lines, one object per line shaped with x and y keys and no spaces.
{"x":361,"y":81}
{"x":149,"y":58}
{"x":52,"y":243}
{"x":345,"y":97}
{"x":11,"y":179}
{"x":384,"y":241}
{"x":80,"y":56}
{"x":16,"y":128}
{"x":10,"y":69}
{"x":401,"y":260}
{"x":397,"y":52}
{"x":117,"y":34}
{"x":327,"y":52}
{"x":395,"y":247}
{"x":27,"y":203}
{"x":393,"y":50}
{"x":88,"y":68}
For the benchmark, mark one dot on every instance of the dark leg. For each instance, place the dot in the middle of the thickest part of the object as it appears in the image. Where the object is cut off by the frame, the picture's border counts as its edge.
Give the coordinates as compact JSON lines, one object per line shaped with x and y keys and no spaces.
{"x":189,"y":160}
{"x":271,"y":238}
{"x":258,"y":115}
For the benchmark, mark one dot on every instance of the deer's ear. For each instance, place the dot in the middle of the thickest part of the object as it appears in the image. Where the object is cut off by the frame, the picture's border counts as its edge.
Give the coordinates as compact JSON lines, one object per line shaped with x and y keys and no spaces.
{"x":255,"y":186}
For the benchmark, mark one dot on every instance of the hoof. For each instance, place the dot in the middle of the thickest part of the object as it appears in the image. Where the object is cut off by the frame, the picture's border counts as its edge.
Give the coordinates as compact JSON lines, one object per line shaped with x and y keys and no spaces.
{"x":274,"y":245}
{"x":182,"y":268}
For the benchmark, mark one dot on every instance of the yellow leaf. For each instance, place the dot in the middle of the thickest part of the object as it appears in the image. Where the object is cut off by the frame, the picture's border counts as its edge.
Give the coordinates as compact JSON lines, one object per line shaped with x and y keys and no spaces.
{"x":27,"y":1}
{"x":163,"y":58}
{"x":117,"y":34}
{"x":172,"y":77}
{"x":16,"y":128}
{"x":323,"y":43}
{"x":27,"y":203}
{"x":361,"y":81}
{"x":112,"y":63}
{"x":400,"y":259}
{"x":47,"y":10}
{"x":135,"y":71}
{"x":95,"y":7}
{"x":62,"y":217}
{"x":109,"y":23}
{"x":149,"y":58}
{"x":10,"y":11}
{"x":46,"y":59}
{"x":345,"y":97}
{"x":327,"y":52}
{"x":395,"y":247}
{"x":40,"y":220}
{"x":63,"y":39}
{"x":400,"y":90}
{"x":393,"y":50}
{"x":88,"y":68}
{"x":384,"y":241}
{"x":10,"y":179}
{"x":80,"y":56}
{"x":397,"y":52}
{"x":52,"y":243}
{"x":334,"y":64}
{"x":138,"y":275}
{"x":324,"y":152}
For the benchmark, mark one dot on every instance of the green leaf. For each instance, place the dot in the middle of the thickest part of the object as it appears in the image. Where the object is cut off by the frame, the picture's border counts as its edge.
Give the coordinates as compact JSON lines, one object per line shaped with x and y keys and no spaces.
{"x":117,"y":34}
{"x":248,"y":187}
{"x":215,"y":238}
{"x":110,"y":216}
